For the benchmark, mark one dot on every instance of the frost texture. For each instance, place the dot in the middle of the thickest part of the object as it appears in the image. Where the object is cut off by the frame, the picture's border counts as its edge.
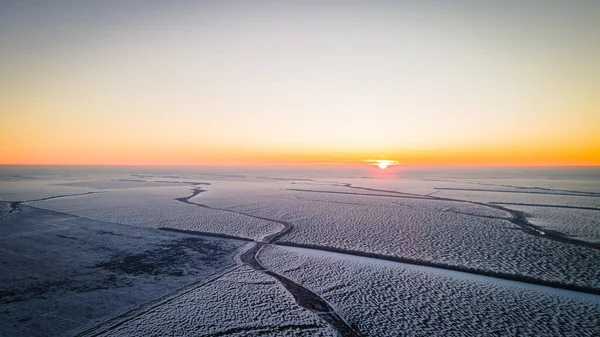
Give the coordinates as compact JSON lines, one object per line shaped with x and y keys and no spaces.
{"x":524,"y":198}
{"x":156,"y":207}
{"x":240,"y":303}
{"x":405,"y":300}
{"x":581,"y":223}
{"x":452,"y":233}
{"x":61,"y":273}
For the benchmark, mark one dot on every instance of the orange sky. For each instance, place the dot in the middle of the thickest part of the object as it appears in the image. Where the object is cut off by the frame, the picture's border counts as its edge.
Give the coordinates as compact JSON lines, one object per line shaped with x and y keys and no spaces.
{"x":461,"y":83}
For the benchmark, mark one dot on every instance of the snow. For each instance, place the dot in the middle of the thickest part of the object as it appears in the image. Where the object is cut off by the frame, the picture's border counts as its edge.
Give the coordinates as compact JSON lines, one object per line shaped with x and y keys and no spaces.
{"x":240,"y":303}
{"x":580,"y":223}
{"x":102,"y":264}
{"x":401,"y":299}
{"x":443,"y":232}
{"x":29,"y":189}
{"x":61,"y":273}
{"x":524,"y":198}
{"x":459,"y":234}
{"x":156,"y":207}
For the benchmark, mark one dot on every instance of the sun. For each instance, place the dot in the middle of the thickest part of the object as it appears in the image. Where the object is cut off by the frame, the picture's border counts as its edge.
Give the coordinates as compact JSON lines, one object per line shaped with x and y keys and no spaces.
{"x":382,"y":163}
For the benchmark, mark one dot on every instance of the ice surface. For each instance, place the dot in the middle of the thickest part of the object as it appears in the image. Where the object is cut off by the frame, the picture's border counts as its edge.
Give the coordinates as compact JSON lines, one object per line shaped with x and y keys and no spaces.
{"x":400,"y":299}
{"x":61,"y":272}
{"x":29,"y":189}
{"x":4,"y":209}
{"x":581,"y":223}
{"x":156,"y":207}
{"x":568,"y":182}
{"x":240,"y":303}
{"x":524,"y":198}
{"x":121,"y":183}
{"x":399,"y":214}
{"x":315,"y":202}
{"x":448,"y":233}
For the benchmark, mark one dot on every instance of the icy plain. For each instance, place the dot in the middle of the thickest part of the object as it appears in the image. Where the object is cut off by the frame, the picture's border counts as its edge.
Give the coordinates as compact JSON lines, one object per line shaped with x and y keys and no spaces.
{"x":298,"y":251}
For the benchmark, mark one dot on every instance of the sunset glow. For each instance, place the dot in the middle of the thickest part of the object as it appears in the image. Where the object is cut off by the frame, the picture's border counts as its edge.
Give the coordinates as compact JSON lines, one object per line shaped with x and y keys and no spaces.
{"x":268,"y":83}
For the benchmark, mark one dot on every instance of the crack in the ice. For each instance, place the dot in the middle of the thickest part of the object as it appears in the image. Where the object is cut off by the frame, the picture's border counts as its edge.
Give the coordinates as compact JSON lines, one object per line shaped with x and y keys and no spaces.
{"x":330,"y":201}
{"x":546,"y":205}
{"x":570,"y":192}
{"x":476,"y":215}
{"x":304,"y":297}
{"x":13,"y":207}
{"x":60,"y":196}
{"x":347,"y":185}
{"x":544,"y":189}
{"x":581,"y":194}
{"x":259,"y":329}
{"x":406,"y":196}
{"x":190,"y":232}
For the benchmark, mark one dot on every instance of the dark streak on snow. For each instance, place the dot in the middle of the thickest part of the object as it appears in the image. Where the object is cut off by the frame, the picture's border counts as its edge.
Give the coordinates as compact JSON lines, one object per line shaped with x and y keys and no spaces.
{"x":549,"y":192}
{"x":477,"y":215}
{"x":572,"y":192}
{"x":184,"y":231}
{"x":258,"y":330}
{"x":13,"y":209}
{"x":545,"y":205}
{"x":404,"y":196}
{"x":60,"y":196}
{"x":525,"y":189}
{"x":195,"y":192}
{"x":303,"y":296}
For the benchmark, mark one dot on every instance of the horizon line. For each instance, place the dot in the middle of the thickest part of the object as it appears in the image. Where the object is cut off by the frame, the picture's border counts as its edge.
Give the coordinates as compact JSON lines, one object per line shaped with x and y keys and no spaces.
{"x":361,"y":164}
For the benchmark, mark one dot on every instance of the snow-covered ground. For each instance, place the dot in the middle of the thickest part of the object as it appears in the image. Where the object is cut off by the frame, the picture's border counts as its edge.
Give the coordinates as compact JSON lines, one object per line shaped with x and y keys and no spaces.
{"x":385,"y":298}
{"x":240,"y":303}
{"x":580,"y":223}
{"x":156,"y":207}
{"x":520,"y":196}
{"x":538,"y":227}
{"x":446,"y":232}
{"x":61,"y":272}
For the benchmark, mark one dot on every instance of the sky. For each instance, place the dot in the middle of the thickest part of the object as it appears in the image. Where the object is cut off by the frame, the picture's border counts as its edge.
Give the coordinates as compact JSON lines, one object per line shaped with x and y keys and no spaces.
{"x":289,"y":82}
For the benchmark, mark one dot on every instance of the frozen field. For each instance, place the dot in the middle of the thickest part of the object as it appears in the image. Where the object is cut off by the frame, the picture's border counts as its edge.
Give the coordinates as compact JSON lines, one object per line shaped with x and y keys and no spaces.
{"x":402,"y":299}
{"x":241,"y":303}
{"x":293,"y":251}
{"x":61,"y":272}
